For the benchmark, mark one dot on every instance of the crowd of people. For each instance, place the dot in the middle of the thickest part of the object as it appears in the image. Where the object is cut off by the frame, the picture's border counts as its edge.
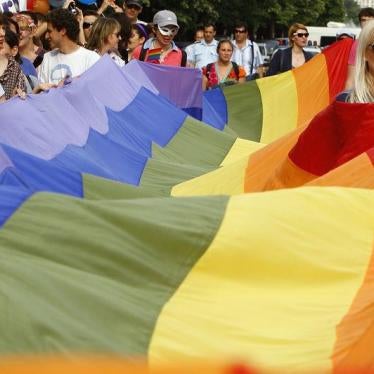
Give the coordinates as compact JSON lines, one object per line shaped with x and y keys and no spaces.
{"x":38,"y":52}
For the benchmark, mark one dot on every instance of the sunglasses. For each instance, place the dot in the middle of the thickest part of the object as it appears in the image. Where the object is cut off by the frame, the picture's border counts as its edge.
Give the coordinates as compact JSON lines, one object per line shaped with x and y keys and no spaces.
{"x":168,"y":31}
{"x":240,"y":31}
{"x":87,"y":25}
{"x":301,"y":34}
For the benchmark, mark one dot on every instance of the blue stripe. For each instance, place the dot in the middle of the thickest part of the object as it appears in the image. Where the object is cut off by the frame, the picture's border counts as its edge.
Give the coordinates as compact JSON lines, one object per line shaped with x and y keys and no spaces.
{"x":215,"y":108}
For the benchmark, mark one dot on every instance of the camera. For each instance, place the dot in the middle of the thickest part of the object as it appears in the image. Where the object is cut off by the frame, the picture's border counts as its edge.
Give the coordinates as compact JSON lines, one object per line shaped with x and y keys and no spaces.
{"x":72,"y":8}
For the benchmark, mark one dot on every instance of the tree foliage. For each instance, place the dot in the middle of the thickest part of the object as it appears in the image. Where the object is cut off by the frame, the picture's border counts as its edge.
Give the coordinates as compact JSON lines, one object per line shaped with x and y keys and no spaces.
{"x":351,"y":11}
{"x":271,"y":17}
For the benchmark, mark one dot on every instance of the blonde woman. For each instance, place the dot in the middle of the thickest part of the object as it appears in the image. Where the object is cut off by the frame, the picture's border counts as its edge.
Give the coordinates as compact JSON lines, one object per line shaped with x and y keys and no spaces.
{"x":363,"y":91}
{"x":104,"y":38}
{"x":294,"y":56}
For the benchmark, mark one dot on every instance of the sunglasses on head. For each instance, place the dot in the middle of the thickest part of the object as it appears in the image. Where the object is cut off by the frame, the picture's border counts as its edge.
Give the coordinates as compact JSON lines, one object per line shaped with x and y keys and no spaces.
{"x":301,"y":34}
{"x":240,"y":31}
{"x":87,"y":25}
{"x":167,"y":31}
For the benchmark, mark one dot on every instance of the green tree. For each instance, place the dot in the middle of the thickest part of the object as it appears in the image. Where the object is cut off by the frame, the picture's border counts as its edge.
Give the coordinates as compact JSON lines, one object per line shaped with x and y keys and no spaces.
{"x":272,"y":17}
{"x":334,"y":11}
{"x":351,"y":11}
{"x":308,"y":11}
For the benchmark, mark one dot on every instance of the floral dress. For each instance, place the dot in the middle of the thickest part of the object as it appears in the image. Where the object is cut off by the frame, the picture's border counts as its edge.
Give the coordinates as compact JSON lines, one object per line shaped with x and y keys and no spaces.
{"x":12,"y":78}
{"x":231,"y":76}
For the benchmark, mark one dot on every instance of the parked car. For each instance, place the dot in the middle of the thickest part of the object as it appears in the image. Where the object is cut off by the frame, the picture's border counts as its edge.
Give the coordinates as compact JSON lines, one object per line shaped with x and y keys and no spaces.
{"x":267,"y":48}
{"x":264,"y":52}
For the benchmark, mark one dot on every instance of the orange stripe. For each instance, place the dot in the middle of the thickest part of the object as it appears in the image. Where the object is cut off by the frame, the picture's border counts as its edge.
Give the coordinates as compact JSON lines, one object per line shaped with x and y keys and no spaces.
{"x":113,"y":365}
{"x":265,"y":165}
{"x":358,"y":172}
{"x":312,"y":92}
{"x":354,"y":345}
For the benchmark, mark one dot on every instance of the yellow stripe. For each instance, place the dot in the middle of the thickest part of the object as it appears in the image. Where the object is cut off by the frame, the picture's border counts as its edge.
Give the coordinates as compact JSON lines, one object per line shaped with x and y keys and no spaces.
{"x":280,"y":274}
{"x":279,"y":105}
{"x":227,"y":180}
{"x":241,"y":148}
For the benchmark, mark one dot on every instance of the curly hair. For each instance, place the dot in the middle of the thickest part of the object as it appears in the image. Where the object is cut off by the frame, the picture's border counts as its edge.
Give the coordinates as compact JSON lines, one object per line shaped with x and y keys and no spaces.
{"x":63,"y":19}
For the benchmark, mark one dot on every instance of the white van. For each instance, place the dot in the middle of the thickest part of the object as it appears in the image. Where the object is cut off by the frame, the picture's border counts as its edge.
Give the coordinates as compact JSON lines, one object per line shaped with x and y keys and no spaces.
{"x":323,"y":36}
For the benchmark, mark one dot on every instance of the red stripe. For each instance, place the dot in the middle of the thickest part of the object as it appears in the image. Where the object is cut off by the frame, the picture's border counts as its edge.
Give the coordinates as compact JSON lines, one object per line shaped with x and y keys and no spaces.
{"x":337,"y":65}
{"x":370,"y":153}
{"x":336,"y":135}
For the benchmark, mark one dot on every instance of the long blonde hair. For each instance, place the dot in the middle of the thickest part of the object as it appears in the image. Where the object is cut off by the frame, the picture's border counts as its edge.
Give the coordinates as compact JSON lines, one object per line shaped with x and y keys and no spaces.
{"x":101,"y":29}
{"x":363,"y":91}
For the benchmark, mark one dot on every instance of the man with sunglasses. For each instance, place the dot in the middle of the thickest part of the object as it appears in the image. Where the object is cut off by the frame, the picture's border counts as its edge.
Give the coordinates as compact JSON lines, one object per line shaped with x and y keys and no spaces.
{"x":132,"y":10}
{"x":205,"y":52}
{"x":247,"y":53}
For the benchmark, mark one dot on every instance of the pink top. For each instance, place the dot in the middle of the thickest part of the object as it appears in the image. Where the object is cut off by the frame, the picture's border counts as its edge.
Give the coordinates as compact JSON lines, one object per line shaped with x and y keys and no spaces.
{"x":173,"y":58}
{"x":352,"y":53}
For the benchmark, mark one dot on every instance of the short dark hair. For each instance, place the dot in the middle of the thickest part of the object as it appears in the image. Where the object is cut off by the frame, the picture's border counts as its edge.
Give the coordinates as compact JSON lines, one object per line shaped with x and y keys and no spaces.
{"x":209,"y":24}
{"x":365,"y":12}
{"x":63,"y":19}
{"x":239,"y":25}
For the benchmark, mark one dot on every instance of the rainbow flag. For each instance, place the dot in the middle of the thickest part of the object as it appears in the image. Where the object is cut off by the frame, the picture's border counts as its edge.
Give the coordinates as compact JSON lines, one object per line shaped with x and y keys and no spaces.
{"x":100,"y":258}
{"x":265,"y":109}
{"x":154,"y":55}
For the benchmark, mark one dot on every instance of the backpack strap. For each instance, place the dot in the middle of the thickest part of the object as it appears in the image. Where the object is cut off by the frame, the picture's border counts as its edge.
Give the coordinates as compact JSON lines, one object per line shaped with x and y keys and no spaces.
{"x":236,"y":69}
{"x":209,"y":68}
{"x":143,"y":52}
{"x":30,"y":81}
{"x":253,"y":58}
{"x":184,"y":58}
{"x":281,"y":60}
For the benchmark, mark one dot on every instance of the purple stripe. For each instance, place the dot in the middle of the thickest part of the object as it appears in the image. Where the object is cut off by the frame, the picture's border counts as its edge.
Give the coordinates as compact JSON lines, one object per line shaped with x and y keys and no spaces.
{"x":182,"y":86}
{"x":5,"y":162}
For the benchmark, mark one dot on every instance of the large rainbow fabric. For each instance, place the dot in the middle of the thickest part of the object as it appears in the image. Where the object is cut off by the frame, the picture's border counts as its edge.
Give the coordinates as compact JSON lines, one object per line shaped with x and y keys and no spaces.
{"x":98,"y":259}
{"x":266,"y":109}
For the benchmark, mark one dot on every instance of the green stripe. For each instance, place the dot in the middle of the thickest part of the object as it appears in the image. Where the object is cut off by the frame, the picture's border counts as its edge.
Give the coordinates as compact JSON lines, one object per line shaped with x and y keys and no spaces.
{"x":87,"y":276}
{"x":196,"y":144}
{"x":161,"y":176}
{"x":96,"y":188}
{"x":195,"y":150}
{"x":244,"y":106}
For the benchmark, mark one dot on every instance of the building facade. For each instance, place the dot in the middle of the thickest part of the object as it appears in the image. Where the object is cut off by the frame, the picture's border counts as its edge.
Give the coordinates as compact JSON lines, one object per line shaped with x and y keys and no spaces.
{"x":365,"y":3}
